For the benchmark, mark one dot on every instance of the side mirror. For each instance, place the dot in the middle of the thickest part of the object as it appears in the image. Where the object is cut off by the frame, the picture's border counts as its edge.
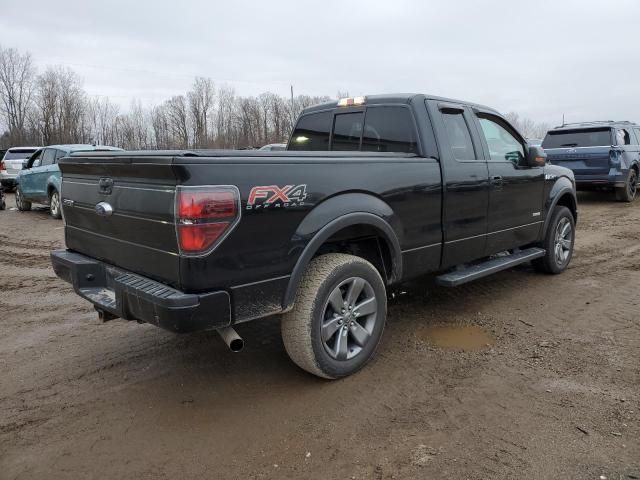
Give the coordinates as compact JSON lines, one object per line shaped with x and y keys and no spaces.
{"x":536,"y":156}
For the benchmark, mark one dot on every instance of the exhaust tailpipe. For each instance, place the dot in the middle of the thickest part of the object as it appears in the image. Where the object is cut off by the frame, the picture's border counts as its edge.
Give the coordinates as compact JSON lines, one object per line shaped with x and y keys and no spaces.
{"x":231,"y":338}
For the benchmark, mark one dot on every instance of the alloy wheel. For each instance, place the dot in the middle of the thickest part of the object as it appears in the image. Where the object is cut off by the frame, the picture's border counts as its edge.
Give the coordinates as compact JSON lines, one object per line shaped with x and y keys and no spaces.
{"x":55,"y":203}
{"x":349,"y":318}
{"x":563,"y":241}
{"x":632,"y":187}
{"x":19,"y":199}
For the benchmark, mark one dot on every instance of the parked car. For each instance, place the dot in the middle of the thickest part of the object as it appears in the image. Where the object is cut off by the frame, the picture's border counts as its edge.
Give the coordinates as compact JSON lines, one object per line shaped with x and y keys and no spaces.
{"x":190,"y":241}
{"x":274,"y":147}
{"x":39,"y":181}
{"x":601,"y":155}
{"x":11,"y":164}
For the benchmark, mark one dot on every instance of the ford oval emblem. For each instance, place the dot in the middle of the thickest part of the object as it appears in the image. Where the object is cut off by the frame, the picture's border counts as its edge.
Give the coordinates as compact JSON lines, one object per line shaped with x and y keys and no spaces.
{"x":104,"y":209}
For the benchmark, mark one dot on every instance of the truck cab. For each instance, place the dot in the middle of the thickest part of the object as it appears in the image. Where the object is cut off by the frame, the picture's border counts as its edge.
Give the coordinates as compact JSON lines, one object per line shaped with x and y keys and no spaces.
{"x":492,"y":199}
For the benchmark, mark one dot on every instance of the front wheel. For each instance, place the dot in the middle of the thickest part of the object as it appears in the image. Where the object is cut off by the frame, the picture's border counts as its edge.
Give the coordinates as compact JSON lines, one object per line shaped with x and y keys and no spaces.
{"x":54,"y":205}
{"x":21,"y":203}
{"x":338,"y":317}
{"x":627,"y":193}
{"x":558,"y":242}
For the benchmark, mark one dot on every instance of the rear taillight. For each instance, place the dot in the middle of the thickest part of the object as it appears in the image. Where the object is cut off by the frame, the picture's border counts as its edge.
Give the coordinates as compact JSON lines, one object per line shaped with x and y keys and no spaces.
{"x":204,"y":216}
{"x":2,"y":165}
{"x":614,"y":158}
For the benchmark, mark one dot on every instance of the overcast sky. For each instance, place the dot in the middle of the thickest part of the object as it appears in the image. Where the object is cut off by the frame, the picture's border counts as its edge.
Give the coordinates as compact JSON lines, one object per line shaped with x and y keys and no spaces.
{"x":541,"y":59}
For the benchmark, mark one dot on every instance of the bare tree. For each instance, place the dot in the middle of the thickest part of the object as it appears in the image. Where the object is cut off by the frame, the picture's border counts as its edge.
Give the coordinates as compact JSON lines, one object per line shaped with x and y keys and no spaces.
{"x":201,"y":99}
{"x":102,"y":116}
{"x":17,"y":75}
{"x":526,"y":126}
{"x":176,"y":109}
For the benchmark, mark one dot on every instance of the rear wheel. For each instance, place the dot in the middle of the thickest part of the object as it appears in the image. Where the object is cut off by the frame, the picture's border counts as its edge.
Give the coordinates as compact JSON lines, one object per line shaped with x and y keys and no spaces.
{"x":21,"y":203}
{"x":558,"y":242}
{"x":627,"y":193}
{"x":338,"y":317}
{"x":54,"y":204}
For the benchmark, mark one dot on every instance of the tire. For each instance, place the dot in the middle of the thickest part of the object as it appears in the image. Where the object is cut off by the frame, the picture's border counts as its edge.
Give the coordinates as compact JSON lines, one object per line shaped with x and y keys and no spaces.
{"x":628,"y":192}
{"x":21,"y":203}
{"x":54,"y":205}
{"x":558,"y":242}
{"x":307,"y":329}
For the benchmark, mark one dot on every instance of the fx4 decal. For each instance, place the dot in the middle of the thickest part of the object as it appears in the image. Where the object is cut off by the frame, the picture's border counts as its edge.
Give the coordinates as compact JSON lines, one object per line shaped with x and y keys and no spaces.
{"x":273,"y":196}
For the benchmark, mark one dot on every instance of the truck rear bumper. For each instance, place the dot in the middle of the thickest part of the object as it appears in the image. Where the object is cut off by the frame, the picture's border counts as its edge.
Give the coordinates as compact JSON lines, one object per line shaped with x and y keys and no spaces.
{"x":134,"y":297}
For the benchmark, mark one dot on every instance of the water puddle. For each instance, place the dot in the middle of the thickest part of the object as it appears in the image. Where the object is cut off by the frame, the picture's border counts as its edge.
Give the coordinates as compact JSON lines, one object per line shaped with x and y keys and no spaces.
{"x":466,"y":338}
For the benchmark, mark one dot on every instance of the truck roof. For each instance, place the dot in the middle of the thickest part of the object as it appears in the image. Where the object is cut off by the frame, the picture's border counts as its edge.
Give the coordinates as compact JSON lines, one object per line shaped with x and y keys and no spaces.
{"x":396,"y":98}
{"x":595,"y":124}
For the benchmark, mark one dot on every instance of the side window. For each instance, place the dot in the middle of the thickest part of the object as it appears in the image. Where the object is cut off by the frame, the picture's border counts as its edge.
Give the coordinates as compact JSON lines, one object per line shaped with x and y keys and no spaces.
{"x":637,"y":132}
{"x":622,"y":137}
{"x":312,"y":132}
{"x":35,"y":159}
{"x":459,"y":136}
{"x":503,"y":145}
{"x":60,"y":154}
{"x":48,"y":157}
{"x":347,"y":130}
{"x":389,"y":129}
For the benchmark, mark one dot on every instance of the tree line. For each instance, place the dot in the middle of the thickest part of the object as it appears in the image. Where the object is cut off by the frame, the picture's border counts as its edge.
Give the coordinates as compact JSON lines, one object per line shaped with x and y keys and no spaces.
{"x":52,"y":107}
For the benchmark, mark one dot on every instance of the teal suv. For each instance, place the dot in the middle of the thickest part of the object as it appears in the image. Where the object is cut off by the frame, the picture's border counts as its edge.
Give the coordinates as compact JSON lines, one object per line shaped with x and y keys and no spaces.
{"x":39,"y":180}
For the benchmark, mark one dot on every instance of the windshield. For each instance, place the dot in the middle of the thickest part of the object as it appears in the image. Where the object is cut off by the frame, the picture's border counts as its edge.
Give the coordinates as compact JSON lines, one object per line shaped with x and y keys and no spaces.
{"x":17,"y":154}
{"x":595,"y":137}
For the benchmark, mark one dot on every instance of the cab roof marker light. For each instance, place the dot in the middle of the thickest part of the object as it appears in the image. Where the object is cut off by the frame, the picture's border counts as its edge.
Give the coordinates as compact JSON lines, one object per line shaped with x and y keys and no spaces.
{"x":351,"y":101}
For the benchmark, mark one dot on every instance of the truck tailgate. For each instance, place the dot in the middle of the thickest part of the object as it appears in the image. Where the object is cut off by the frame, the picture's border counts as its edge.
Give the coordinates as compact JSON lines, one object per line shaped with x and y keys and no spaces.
{"x":139,"y":235}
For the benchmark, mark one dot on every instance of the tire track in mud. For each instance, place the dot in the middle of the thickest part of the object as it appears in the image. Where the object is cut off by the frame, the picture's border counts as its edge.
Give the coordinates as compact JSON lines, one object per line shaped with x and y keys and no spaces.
{"x":28,"y":243}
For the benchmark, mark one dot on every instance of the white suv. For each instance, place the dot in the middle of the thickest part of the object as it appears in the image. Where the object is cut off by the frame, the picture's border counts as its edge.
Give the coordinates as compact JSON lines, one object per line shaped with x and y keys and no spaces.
{"x":11,"y":164}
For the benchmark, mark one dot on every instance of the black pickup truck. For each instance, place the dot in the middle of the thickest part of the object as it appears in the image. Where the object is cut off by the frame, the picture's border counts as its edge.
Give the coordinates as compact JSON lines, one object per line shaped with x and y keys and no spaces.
{"x":371,"y":192}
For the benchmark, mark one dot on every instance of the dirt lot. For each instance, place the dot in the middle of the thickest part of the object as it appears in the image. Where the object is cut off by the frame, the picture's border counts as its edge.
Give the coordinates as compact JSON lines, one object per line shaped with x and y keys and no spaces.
{"x":550,"y":390}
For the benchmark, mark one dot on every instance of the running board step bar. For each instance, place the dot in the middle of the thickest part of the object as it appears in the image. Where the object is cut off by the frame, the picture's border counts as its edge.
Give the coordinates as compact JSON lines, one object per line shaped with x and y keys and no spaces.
{"x":493,"y":265}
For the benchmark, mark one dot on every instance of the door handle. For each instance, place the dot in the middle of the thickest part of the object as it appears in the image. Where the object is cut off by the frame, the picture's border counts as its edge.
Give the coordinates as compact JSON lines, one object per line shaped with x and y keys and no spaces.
{"x":496,"y":179}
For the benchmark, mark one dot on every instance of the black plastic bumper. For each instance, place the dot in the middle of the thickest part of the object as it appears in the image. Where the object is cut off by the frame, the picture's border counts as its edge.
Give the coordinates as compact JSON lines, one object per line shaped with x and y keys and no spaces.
{"x":134,"y":297}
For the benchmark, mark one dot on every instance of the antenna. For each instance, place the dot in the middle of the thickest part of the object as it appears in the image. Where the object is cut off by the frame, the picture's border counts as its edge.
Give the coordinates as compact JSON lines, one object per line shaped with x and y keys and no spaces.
{"x":563,"y":119}
{"x":292,"y":119}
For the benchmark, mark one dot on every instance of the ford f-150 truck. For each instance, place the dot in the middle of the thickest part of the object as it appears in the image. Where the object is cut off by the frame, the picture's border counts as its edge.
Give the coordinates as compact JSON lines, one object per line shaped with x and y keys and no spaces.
{"x":372,"y":191}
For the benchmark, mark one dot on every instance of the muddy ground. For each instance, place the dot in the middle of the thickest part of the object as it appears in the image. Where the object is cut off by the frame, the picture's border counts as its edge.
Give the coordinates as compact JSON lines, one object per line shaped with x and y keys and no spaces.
{"x":552,"y":389}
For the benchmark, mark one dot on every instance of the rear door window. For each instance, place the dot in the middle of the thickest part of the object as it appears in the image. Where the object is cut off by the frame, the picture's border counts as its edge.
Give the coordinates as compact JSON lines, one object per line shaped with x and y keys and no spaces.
{"x":48,"y":157}
{"x":637,"y":132}
{"x":459,"y":136}
{"x":592,"y":137}
{"x":389,"y":129}
{"x":312,"y":132}
{"x":347,"y":130}
{"x":623,"y":137}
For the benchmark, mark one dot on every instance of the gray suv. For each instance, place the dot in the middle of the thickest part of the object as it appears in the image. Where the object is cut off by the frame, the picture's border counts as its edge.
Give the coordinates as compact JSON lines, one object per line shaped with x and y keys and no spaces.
{"x":603,"y":155}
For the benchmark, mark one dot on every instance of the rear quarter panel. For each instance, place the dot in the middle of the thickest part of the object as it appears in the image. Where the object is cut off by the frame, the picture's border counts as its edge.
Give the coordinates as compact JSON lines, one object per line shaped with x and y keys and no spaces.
{"x":268,"y":241}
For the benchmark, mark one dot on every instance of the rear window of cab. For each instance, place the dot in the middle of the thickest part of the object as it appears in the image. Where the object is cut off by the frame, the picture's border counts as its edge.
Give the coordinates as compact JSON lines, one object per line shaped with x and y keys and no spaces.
{"x":375,"y":129}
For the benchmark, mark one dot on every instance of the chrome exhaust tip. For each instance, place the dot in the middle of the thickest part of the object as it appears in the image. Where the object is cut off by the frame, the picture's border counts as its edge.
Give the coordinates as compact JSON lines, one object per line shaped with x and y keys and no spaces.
{"x":231,"y":338}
